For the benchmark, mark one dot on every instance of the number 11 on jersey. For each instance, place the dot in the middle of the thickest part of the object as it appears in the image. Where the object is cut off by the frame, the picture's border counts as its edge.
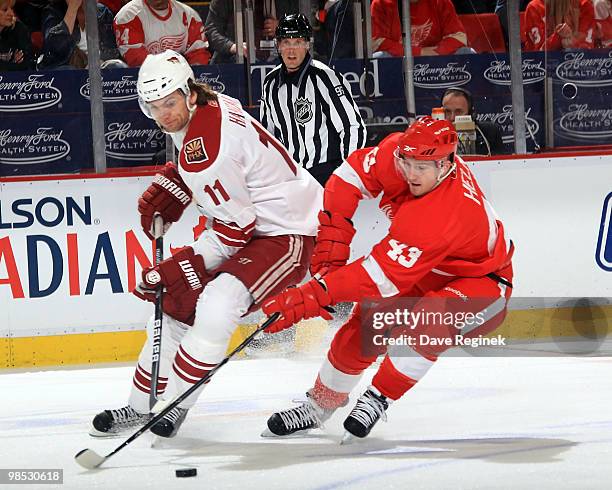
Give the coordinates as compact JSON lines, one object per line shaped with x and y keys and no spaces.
{"x":217,"y":188}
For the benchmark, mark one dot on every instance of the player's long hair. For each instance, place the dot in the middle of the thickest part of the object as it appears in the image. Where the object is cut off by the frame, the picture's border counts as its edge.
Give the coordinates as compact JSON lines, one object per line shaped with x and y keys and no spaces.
{"x":205,"y":93}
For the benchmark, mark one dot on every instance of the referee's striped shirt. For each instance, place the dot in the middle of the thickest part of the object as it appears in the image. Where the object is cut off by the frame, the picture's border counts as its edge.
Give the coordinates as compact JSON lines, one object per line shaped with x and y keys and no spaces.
{"x":312,"y":113}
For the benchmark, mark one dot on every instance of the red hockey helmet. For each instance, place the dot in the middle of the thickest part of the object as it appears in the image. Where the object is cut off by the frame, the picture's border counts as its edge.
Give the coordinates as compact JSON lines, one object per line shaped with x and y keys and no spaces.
{"x":428,"y":139}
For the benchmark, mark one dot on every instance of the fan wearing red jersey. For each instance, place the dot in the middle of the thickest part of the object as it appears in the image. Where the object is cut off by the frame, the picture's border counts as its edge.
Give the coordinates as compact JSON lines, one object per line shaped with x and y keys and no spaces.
{"x":557,"y":25}
{"x":434,"y":26}
{"x":152,"y":26}
{"x":445,"y":246}
{"x":262,"y":209}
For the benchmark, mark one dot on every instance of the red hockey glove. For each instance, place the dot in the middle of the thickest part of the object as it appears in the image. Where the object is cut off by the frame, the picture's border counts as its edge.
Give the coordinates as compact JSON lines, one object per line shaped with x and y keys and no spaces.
{"x":332,"y":249}
{"x":168,"y":195}
{"x":183,"y":276}
{"x":295,"y":304}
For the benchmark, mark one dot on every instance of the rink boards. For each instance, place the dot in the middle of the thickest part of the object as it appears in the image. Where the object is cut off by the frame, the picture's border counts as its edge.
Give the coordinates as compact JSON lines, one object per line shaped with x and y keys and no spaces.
{"x":71,"y":249}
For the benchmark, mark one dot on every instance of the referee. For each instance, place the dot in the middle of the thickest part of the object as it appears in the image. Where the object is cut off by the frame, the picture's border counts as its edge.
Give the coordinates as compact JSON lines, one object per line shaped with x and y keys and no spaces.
{"x":308,"y":106}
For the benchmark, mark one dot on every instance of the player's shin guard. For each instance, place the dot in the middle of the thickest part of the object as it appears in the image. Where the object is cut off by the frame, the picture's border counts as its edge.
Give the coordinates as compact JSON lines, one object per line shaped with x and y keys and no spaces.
{"x":332,"y":387}
{"x":172,"y":334}
{"x":188,"y":368}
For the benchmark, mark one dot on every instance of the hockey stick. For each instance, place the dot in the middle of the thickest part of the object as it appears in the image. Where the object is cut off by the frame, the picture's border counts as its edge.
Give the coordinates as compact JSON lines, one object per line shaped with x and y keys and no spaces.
{"x":90,"y":459}
{"x":158,"y":227}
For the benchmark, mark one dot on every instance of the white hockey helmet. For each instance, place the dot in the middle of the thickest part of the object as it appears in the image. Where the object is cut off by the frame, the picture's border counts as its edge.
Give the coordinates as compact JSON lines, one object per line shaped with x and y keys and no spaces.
{"x":160,"y":75}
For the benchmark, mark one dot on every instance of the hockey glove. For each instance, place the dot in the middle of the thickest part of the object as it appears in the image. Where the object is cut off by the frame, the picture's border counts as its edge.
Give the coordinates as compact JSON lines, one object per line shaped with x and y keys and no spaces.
{"x":183,"y":276}
{"x":168,"y":195}
{"x":332,"y":249}
{"x":299,"y":303}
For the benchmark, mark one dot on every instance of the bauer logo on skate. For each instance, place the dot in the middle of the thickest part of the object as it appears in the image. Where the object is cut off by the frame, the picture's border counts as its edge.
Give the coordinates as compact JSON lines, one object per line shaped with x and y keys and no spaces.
{"x":115,"y":90}
{"x":498,"y":72}
{"x":126,"y":143}
{"x":44,"y":145}
{"x":583,"y":70}
{"x":580,"y":122}
{"x":35,"y":93}
{"x":451,"y":75}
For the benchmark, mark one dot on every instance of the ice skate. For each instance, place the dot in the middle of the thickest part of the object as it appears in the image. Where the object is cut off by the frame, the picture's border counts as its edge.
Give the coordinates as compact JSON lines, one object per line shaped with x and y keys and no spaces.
{"x":111,"y":423}
{"x":297,"y":420}
{"x":370,"y":407}
{"x":170,"y":423}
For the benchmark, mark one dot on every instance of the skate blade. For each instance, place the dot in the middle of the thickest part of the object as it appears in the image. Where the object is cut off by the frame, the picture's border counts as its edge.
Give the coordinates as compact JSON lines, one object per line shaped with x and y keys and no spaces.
{"x":267,"y":433}
{"x":347,"y":439}
{"x":104,"y":435}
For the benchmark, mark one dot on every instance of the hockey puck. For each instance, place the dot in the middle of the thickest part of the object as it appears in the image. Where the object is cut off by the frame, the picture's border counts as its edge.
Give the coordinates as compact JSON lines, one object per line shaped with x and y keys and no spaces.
{"x":186,"y":473}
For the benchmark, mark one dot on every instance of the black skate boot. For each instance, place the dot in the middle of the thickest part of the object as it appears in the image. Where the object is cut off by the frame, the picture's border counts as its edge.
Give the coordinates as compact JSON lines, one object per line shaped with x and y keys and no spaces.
{"x":306,"y":416}
{"x":169,"y":425}
{"x":113,"y":422}
{"x":370,"y":407}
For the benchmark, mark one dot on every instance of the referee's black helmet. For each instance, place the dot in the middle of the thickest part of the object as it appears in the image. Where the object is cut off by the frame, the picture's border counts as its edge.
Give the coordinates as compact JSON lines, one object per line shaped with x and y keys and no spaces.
{"x":294,"y":26}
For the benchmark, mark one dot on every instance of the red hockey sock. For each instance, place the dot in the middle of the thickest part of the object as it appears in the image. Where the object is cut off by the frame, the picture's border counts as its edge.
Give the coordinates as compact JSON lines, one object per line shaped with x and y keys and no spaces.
{"x":390,"y":382}
{"x":327,"y":398}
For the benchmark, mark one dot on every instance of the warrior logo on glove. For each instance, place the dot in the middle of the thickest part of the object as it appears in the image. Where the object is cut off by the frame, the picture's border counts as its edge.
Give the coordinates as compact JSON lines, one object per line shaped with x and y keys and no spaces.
{"x":153,"y":277}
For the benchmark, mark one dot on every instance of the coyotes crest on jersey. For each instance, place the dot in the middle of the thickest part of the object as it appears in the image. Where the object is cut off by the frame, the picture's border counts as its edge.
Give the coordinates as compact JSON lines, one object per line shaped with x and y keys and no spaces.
{"x":195,"y":151}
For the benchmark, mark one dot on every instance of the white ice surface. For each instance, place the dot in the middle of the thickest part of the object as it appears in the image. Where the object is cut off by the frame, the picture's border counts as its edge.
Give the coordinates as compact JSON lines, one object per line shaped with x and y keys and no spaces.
{"x":471,"y":423}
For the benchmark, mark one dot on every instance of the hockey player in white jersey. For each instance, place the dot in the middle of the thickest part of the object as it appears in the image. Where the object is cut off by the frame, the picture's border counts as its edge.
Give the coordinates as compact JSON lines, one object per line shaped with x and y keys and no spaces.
{"x":262,"y":208}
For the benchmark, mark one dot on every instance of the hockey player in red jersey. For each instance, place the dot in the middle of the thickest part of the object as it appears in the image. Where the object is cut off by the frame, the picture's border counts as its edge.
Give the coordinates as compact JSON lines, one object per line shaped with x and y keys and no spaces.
{"x":262,"y":210}
{"x":445,"y":244}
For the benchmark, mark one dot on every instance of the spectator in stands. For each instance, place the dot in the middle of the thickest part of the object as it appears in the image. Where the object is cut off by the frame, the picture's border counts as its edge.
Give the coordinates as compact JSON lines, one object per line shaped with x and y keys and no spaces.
{"x":65,"y":35}
{"x":559,"y":24}
{"x":603,"y":21}
{"x":501,"y":9}
{"x":15,"y":43}
{"x":474,"y":6}
{"x":458,"y":101}
{"x":435,"y":28}
{"x":152,"y":26}
{"x":220,"y":28}
{"x":339,"y":30}
{"x":30,"y":13}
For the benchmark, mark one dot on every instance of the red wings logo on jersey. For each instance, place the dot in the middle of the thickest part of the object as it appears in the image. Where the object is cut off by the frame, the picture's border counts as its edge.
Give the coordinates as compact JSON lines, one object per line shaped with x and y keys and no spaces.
{"x":421,"y":32}
{"x":195,"y":151}
{"x":174,"y":43}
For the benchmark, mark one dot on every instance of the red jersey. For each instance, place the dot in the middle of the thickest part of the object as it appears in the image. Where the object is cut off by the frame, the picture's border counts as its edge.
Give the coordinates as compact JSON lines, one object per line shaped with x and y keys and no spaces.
{"x":433,"y":23}
{"x":603,"y":21}
{"x":451,"y":231}
{"x":141,"y":30}
{"x":540,"y":31}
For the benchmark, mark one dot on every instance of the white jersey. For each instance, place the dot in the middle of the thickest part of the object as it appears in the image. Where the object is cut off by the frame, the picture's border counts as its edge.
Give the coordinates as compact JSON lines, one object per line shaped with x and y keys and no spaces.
{"x":242,"y":178}
{"x":140,"y":30}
